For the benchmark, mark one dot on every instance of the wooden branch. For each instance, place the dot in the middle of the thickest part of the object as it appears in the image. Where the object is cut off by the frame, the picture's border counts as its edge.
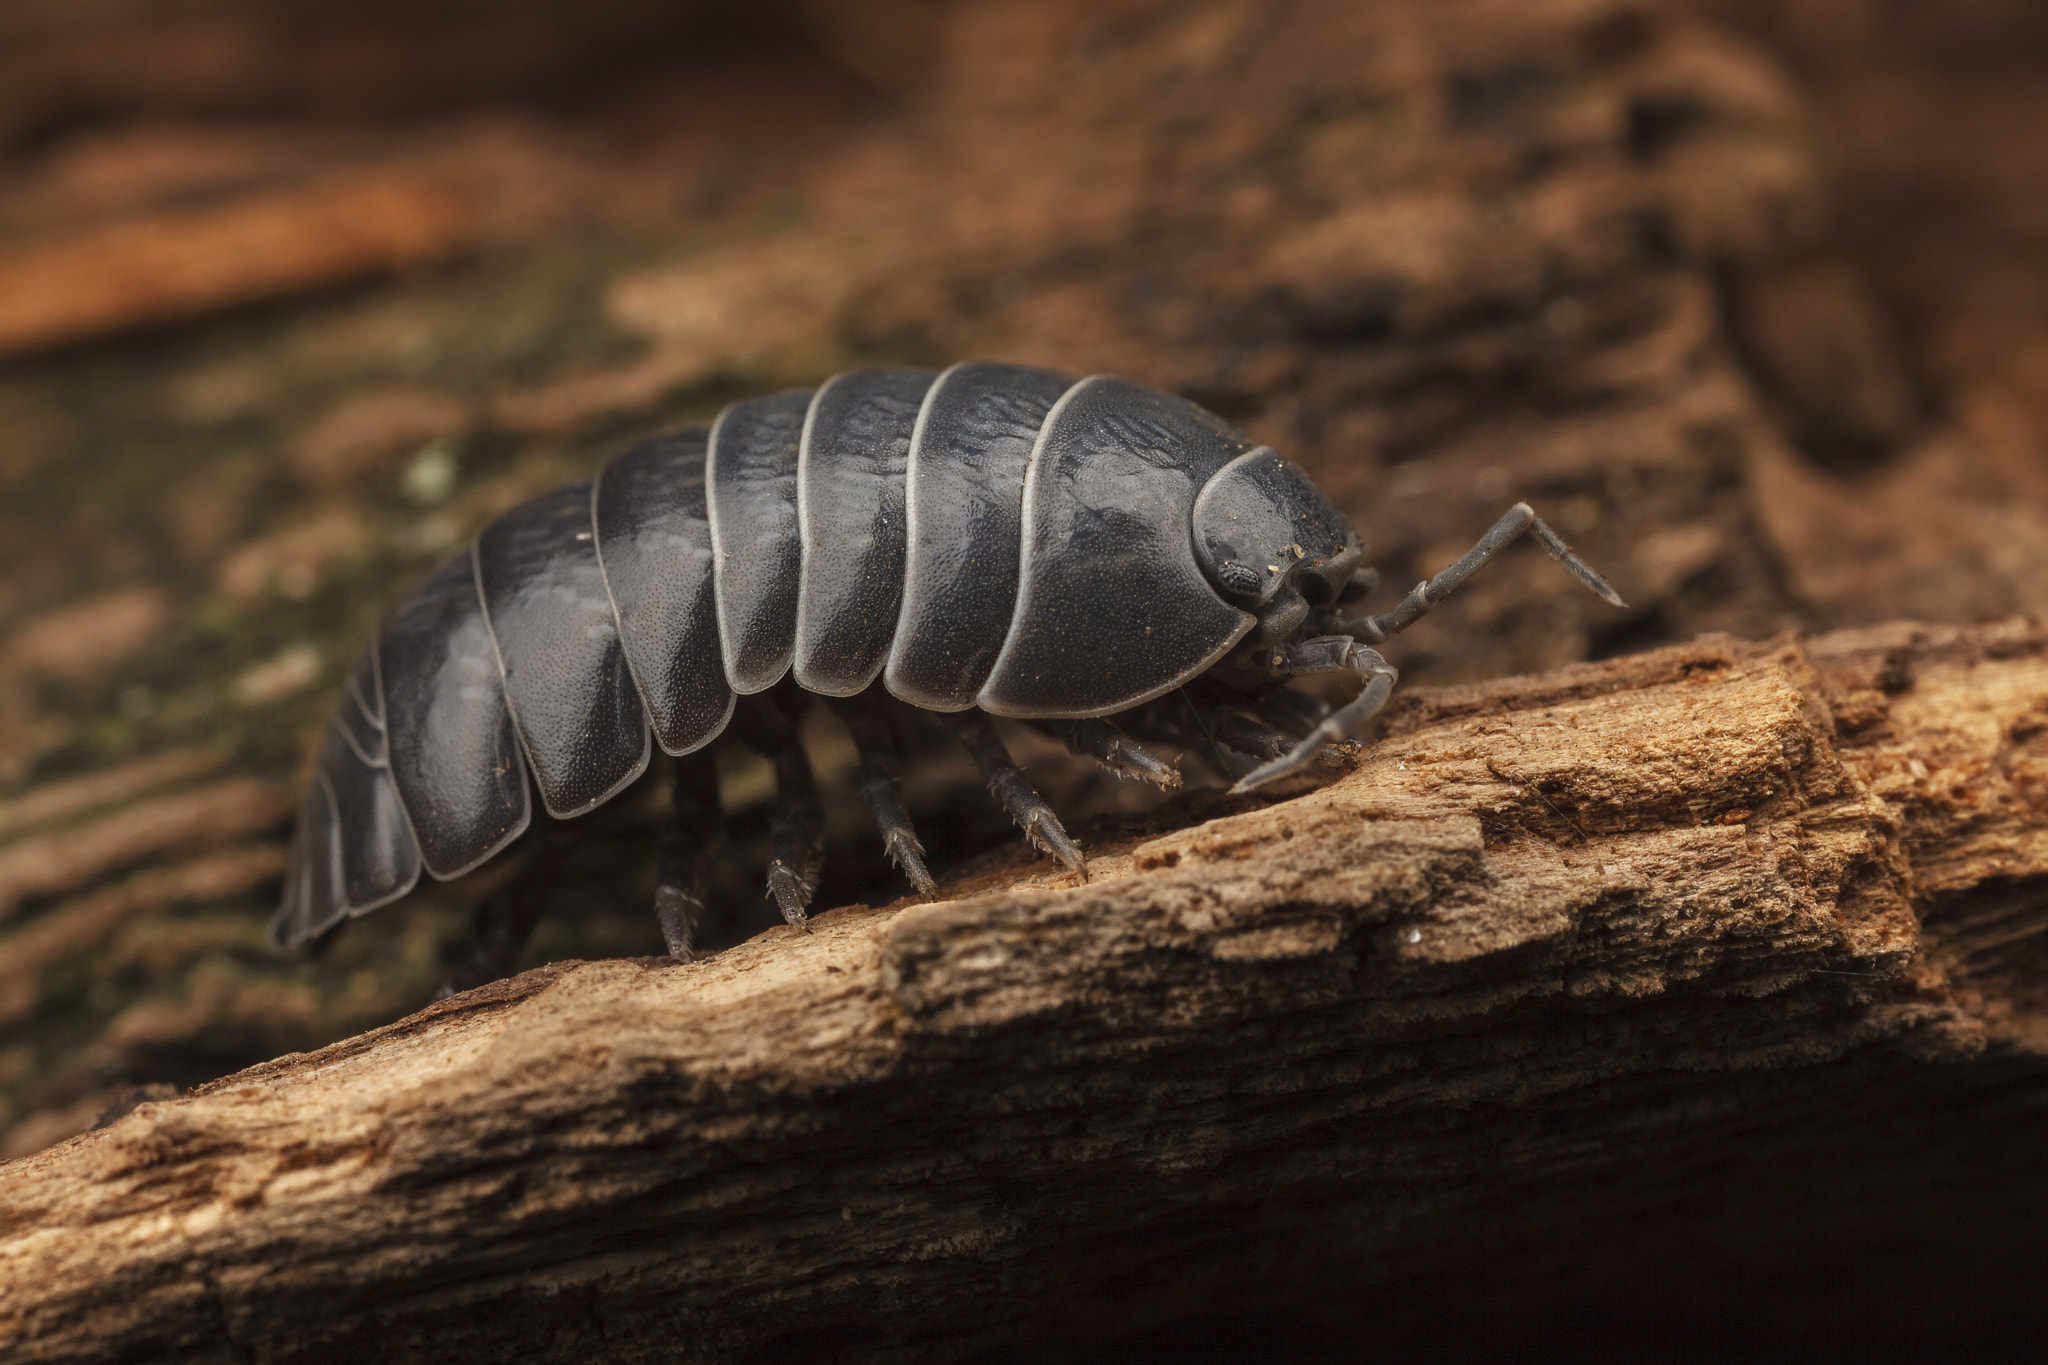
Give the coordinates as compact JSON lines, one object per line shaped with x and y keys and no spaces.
{"x":1557,"y":951}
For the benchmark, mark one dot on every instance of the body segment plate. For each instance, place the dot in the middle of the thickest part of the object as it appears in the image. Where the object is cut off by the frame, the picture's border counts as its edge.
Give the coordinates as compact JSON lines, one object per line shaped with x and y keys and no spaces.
{"x":361,"y":712}
{"x":964,"y":503}
{"x":654,"y":542}
{"x":572,"y":699}
{"x":756,"y":544}
{"x":1112,"y":608}
{"x":849,"y":489}
{"x":377,"y":857}
{"x":454,"y":754}
{"x":313,"y":896}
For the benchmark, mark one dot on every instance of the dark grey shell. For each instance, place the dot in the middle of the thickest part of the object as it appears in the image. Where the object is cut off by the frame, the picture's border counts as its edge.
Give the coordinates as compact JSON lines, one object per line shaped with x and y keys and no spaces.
{"x":449,"y":738}
{"x":654,"y":543}
{"x":756,"y":548}
{"x":355,"y":849}
{"x":577,"y":712}
{"x":377,"y":859}
{"x":964,"y":500}
{"x":995,"y":535}
{"x":850,"y":494}
{"x":1112,"y":608}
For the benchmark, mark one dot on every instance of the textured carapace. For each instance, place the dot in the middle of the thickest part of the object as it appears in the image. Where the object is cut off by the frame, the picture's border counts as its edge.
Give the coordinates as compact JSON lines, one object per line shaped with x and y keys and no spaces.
{"x":993,"y":539}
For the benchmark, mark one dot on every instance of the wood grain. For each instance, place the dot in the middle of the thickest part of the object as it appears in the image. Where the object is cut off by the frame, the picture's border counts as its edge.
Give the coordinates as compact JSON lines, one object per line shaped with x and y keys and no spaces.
{"x":1556,"y":945}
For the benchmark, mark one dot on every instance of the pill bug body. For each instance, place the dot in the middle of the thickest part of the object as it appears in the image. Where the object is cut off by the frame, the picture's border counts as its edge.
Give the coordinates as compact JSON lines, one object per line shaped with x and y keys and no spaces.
{"x":990,"y":540}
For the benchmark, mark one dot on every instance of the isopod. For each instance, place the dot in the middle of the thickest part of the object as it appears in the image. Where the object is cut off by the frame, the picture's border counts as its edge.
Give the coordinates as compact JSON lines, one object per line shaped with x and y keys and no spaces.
{"x":992,"y":540}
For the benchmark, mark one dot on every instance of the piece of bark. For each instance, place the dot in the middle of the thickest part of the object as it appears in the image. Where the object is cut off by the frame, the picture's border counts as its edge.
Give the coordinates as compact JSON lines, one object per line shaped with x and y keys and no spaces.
{"x":177,"y":264}
{"x":200,"y":817}
{"x":1557,"y":949}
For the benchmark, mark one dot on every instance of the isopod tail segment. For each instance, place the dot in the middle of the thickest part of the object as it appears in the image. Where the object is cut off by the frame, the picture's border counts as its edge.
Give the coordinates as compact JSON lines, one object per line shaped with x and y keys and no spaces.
{"x":990,"y":541}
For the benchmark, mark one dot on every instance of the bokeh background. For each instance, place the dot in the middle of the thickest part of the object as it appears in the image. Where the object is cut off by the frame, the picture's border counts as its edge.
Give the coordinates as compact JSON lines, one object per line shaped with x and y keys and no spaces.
{"x":1747,"y":295}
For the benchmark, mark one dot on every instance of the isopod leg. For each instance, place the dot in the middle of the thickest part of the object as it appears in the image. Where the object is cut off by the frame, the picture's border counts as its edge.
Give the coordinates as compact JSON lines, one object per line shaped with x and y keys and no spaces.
{"x":1263,"y":733}
{"x":796,"y":822}
{"x":503,"y":920}
{"x":1018,"y":796}
{"x":1292,"y":711}
{"x":1114,"y":750}
{"x":1241,"y":733}
{"x":686,"y":838}
{"x":1328,"y":654}
{"x":1513,"y":523}
{"x":869,"y":726}
{"x":1190,"y":719}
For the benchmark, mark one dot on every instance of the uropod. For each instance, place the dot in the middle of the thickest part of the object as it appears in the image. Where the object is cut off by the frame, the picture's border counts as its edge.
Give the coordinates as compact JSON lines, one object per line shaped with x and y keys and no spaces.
{"x":1103,"y":560}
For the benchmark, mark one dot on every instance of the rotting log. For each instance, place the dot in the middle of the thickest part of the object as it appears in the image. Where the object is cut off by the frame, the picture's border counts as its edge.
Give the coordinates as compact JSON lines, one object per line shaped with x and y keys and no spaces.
{"x":1557,"y":954}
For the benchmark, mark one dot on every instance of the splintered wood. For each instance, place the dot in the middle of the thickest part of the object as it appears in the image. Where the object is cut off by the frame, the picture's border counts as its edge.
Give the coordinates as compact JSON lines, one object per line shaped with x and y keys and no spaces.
{"x":1678,"y":897}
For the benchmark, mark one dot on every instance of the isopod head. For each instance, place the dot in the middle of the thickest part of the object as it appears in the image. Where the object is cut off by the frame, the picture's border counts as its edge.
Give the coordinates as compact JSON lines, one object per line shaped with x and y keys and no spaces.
{"x":1271,"y":541}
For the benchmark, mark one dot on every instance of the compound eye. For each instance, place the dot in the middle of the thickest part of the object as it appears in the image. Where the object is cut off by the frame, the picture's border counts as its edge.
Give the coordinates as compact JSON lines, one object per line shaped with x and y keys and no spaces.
{"x":1234,"y":575}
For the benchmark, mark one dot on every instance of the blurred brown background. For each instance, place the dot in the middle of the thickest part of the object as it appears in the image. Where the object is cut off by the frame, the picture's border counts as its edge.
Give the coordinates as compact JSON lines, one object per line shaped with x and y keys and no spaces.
{"x":1747,"y":295}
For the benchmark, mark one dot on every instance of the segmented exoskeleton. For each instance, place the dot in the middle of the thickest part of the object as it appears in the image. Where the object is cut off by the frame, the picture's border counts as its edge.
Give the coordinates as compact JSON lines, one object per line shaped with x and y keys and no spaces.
{"x":991,"y":540}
